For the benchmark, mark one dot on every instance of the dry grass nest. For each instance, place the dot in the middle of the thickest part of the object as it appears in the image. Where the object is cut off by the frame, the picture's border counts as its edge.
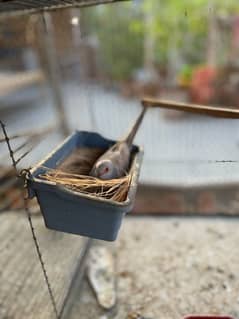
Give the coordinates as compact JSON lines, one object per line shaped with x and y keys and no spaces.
{"x":114,"y":189}
{"x":73,"y":173}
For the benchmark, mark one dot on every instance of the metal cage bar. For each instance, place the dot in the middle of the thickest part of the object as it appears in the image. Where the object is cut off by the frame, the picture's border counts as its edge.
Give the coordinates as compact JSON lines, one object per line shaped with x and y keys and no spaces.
{"x":12,"y":7}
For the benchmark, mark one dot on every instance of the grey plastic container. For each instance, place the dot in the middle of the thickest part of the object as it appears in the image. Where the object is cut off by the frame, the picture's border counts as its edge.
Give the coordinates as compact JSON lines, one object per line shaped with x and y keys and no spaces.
{"x":72,"y":212}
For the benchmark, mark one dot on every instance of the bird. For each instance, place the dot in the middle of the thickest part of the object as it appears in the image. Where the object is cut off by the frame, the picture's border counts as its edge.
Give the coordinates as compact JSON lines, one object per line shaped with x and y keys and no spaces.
{"x":115,"y":161}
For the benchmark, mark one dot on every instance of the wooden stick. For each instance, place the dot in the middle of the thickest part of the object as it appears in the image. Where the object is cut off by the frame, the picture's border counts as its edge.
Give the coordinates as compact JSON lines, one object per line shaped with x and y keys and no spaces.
{"x":215,"y":111}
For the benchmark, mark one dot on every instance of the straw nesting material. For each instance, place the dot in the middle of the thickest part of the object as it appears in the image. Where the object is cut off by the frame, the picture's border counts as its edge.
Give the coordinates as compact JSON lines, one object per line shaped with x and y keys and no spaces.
{"x":73,"y":173}
{"x":114,"y":189}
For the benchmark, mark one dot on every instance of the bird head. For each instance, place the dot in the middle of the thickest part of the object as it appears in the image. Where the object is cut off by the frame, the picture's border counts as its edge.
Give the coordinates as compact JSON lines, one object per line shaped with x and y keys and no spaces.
{"x":103,"y":169}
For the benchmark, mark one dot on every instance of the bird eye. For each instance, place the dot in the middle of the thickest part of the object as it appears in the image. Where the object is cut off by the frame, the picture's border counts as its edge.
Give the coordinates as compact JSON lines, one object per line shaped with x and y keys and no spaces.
{"x":106,"y":169}
{"x":103,"y":171}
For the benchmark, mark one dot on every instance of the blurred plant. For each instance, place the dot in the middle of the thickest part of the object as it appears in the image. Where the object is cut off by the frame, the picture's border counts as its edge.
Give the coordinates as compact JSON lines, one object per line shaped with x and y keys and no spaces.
{"x":178,"y":29}
{"x":120,"y":40}
{"x":183,"y":25}
{"x":185,"y":75}
{"x":202,"y":88}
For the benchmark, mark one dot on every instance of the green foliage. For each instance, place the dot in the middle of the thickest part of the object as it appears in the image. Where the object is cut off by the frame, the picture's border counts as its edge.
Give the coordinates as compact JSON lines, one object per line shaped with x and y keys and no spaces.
{"x":183,"y":25}
{"x":179,"y":25}
{"x":121,"y":42}
{"x":187,"y":71}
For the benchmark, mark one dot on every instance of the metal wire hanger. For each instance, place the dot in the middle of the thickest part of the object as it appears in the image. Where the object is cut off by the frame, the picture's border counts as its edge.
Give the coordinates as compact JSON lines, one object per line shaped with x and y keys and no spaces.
{"x":23,"y":174}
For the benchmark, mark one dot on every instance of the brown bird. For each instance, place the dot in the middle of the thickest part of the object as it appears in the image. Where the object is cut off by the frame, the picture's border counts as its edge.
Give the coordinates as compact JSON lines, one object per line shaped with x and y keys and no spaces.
{"x":115,"y":161}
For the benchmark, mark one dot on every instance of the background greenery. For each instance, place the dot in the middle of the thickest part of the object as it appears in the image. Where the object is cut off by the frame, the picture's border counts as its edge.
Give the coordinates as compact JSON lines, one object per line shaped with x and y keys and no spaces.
{"x":176,"y":26}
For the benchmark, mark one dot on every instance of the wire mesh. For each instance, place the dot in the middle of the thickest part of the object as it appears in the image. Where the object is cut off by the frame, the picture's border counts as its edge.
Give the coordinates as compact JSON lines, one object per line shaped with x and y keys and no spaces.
{"x":30,"y":6}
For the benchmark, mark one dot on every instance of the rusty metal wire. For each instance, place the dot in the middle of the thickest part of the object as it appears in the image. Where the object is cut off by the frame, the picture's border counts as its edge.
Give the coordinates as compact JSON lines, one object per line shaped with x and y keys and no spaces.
{"x":31,"y":140}
{"x":30,"y":134}
{"x":13,"y":7}
{"x":24,"y":154}
{"x":25,"y":199}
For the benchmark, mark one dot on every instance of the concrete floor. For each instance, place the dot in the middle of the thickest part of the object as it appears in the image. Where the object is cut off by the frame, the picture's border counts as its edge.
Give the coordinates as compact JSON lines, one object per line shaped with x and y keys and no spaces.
{"x":171,"y":267}
{"x":164,"y":267}
{"x":23,"y":292}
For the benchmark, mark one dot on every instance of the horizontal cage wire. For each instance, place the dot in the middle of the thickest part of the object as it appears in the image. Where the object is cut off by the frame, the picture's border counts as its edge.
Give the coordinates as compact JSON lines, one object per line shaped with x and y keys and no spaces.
{"x":29,"y":6}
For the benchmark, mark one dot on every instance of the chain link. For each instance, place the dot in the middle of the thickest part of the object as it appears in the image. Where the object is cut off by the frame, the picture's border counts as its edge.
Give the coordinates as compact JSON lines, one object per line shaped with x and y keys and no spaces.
{"x":24,"y":174}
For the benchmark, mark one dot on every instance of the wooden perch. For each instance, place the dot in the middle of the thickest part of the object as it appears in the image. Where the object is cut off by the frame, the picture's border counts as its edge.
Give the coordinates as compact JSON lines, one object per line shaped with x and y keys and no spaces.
{"x":215,"y":111}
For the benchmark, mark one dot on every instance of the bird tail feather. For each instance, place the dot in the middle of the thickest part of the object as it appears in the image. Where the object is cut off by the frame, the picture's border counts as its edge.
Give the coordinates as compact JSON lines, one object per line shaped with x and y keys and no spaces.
{"x":130,"y":136}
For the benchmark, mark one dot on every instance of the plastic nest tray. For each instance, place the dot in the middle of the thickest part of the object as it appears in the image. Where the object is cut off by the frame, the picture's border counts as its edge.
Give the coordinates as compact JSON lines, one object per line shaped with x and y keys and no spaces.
{"x":73,"y":212}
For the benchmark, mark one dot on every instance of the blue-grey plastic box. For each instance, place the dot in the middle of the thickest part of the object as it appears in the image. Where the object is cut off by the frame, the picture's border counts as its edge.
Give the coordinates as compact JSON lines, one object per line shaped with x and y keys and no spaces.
{"x":73,"y":212}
